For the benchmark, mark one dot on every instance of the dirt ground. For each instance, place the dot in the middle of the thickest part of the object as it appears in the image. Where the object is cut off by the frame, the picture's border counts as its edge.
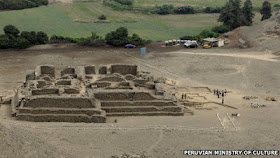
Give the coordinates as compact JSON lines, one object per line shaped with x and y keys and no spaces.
{"x":242,"y":72}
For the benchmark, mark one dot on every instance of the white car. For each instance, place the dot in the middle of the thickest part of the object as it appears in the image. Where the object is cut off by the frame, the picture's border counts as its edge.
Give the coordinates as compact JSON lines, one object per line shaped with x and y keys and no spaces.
{"x":190,"y":44}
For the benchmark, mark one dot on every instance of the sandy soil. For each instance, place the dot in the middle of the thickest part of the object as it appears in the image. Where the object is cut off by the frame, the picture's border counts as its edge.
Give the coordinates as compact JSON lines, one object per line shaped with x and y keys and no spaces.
{"x":239,"y":71}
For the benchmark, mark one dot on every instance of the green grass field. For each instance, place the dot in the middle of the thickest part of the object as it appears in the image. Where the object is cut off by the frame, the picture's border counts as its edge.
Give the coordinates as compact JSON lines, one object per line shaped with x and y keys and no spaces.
{"x":195,"y":3}
{"x":61,"y":19}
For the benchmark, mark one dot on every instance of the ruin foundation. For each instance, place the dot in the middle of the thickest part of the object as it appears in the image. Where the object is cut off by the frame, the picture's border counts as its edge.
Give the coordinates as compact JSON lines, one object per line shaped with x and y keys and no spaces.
{"x":90,"y":94}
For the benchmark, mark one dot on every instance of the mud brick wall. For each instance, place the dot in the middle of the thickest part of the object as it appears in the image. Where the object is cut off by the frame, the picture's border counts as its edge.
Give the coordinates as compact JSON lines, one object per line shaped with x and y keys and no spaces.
{"x":124,"y":84}
{"x":90,"y":70}
{"x":112,"y":79}
{"x":124,"y":69}
{"x":49,"y":70}
{"x":30,"y":76}
{"x":112,"y":96}
{"x":66,"y":102}
{"x":140,"y":81}
{"x":45,"y":91}
{"x":143,"y":96}
{"x":88,"y":112}
{"x":63,"y":82}
{"x":71,"y":91}
{"x":137,"y":103}
{"x":41,"y":84}
{"x":102,"y":70}
{"x":124,"y":96}
{"x":69,"y":70}
{"x":143,"y":109}
{"x":62,"y":118}
{"x":101,"y":84}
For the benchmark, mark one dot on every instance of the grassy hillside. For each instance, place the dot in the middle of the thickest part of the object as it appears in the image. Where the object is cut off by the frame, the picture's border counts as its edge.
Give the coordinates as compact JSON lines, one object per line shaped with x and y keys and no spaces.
{"x":76,"y":20}
{"x":60,"y":19}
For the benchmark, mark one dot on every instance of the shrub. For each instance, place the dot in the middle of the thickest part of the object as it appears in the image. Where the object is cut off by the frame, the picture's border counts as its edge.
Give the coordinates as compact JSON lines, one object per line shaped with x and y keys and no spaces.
{"x":212,"y":10}
{"x":4,"y":42}
{"x":118,"y":37}
{"x":197,"y":38}
{"x":102,"y":17}
{"x":61,"y":39}
{"x":30,"y":36}
{"x":117,"y":6}
{"x":276,"y":6}
{"x":221,"y":29}
{"x":207,"y":33}
{"x":21,"y":4}
{"x":11,"y":30}
{"x":165,"y":9}
{"x":42,"y":38}
{"x":92,"y":43}
{"x":125,"y":2}
{"x":136,"y":40}
{"x":94,"y":40}
{"x":184,"y":10}
{"x":21,"y":43}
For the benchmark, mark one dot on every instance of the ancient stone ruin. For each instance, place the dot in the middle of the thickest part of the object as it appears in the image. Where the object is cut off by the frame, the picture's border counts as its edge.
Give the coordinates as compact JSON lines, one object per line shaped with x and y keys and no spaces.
{"x":90,"y":94}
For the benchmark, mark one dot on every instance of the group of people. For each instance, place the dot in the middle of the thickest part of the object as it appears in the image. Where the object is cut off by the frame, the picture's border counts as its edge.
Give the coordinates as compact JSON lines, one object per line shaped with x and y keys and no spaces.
{"x":184,"y":96}
{"x":221,"y":93}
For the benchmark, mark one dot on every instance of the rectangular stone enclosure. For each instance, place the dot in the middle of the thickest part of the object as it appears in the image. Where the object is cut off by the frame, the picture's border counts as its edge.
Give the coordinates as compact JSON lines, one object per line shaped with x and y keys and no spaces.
{"x":124,"y":69}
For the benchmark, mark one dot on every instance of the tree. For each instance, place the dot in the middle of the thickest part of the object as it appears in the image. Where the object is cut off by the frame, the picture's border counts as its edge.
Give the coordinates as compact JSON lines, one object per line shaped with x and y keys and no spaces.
{"x":11,"y":30}
{"x":226,"y":15}
{"x":118,"y":37}
{"x":42,"y":37}
{"x":266,"y":10}
{"x":232,"y":15}
{"x":237,"y":12}
{"x":247,"y":11}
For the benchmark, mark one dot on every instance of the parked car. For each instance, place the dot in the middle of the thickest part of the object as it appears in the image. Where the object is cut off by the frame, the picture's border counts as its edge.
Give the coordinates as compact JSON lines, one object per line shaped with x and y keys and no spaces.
{"x":130,"y":46}
{"x":207,"y":46}
{"x":190,"y":44}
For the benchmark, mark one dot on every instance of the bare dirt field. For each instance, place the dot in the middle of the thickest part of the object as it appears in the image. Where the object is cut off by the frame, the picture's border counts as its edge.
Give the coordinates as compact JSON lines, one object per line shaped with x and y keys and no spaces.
{"x":242,"y":72}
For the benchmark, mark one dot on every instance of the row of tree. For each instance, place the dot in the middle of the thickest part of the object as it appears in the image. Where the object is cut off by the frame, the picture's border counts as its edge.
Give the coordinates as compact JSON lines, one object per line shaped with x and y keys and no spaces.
{"x":21,"y":4}
{"x":233,"y":16}
{"x":13,"y":38}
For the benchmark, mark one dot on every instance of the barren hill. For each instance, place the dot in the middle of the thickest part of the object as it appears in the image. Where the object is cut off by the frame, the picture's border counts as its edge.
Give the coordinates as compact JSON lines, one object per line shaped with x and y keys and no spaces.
{"x":264,"y":36}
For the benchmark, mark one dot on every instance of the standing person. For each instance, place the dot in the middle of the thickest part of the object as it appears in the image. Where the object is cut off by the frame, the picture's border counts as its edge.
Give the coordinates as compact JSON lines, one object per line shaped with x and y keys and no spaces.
{"x":185,"y":96}
{"x":218,"y":94}
{"x":223,"y":100}
{"x":225,"y":91}
{"x":182,"y":96}
{"x":214,"y":91}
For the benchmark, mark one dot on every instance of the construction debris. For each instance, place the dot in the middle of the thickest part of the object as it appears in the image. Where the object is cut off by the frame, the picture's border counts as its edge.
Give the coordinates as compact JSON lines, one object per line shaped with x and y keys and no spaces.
{"x":257,"y":105}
